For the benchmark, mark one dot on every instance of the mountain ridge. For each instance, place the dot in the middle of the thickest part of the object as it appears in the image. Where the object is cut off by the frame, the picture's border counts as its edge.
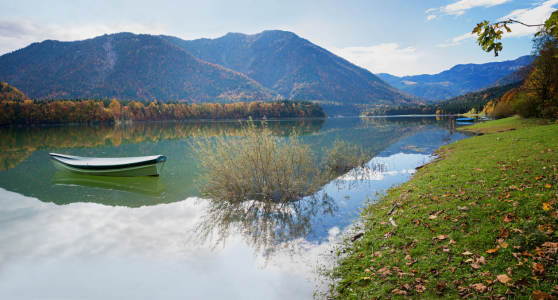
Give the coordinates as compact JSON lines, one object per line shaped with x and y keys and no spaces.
{"x":458,"y":80}
{"x":294,"y":67}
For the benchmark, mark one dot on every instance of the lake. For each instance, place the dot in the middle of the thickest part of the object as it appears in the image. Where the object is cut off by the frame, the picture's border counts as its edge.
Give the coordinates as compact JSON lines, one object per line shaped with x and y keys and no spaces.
{"x":67,"y":237}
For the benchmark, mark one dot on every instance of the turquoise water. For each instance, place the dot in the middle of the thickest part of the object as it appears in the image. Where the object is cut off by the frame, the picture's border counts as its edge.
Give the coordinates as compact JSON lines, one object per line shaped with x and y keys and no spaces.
{"x":67,"y":237}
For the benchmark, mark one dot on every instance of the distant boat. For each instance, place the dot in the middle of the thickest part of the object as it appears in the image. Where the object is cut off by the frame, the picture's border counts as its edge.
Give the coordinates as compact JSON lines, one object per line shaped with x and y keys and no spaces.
{"x":465,"y":123}
{"x":120,"y":167}
{"x":465,"y":119}
{"x":150,"y":186}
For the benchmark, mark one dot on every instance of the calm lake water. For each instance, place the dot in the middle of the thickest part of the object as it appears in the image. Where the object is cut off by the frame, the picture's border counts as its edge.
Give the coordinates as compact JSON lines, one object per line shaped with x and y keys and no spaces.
{"x":77,"y":237}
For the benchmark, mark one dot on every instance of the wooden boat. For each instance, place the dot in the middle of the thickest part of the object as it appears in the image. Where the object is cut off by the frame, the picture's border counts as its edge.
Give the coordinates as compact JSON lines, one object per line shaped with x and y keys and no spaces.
{"x":150,"y":186}
{"x":465,"y":119}
{"x":120,"y":167}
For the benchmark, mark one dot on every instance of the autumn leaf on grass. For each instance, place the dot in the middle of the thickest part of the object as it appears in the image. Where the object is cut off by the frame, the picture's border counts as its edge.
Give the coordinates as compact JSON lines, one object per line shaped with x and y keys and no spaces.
{"x":399,"y":292}
{"x":420,"y":288}
{"x":509,"y":217}
{"x":479,"y":287}
{"x":548,"y":186}
{"x":541,"y":295}
{"x":547,"y":206}
{"x":440,"y":286}
{"x":538,"y":178}
{"x":466,"y":253}
{"x":504,"y":233}
{"x":360,"y":256}
{"x":550,"y":245}
{"x":503,"y":244}
{"x":442,"y":236}
{"x":493,"y":250}
{"x":539,"y":269}
{"x":503,"y":278}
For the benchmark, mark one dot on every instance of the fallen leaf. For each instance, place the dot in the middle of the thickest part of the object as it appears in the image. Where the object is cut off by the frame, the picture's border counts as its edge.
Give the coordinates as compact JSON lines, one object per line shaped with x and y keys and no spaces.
{"x":547,"y":206}
{"x":464,"y":208}
{"x":493,"y":250}
{"x":420,"y":288}
{"x":432,"y":217}
{"x":479,"y":287}
{"x":509,"y":217}
{"x":517,"y":230}
{"x":541,"y":295}
{"x":503,"y":278}
{"x":504,"y":245}
{"x":504,"y":233}
{"x":442,"y":237}
{"x":440,"y":286}
{"x":538,"y":178}
{"x":523,"y":281}
{"x":452,"y":242}
{"x":550,"y":245}
{"x":466,"y":253}
{"x":360,"y":256}
{"x":399,"y":292}
{"x":548,"y":186}
{"x":538,"y":267}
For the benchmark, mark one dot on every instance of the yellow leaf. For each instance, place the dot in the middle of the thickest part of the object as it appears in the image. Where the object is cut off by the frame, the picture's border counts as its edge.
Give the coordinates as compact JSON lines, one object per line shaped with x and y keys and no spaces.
{"x":548,"y":186}
{"x":547,"y":206}
{"x":493,"y":250}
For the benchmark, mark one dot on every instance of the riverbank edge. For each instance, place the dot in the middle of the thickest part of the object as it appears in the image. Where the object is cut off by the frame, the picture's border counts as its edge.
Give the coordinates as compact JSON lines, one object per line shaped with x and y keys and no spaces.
{"x":478,"y":222}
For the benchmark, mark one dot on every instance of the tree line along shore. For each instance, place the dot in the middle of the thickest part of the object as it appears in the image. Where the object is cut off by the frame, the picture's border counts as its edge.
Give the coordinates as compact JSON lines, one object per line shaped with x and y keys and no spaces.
{"x":17,"y":109}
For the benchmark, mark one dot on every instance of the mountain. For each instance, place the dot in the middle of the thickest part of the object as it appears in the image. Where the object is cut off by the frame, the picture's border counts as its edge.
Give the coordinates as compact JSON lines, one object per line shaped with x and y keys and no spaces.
{"x":456,"y":81}
{"x":294,"y":68}
{"x":516,"y":76}
{"x":124,"y":66}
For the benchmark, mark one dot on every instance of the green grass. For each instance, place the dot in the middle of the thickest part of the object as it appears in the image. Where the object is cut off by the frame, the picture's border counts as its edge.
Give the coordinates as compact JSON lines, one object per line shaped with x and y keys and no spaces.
{"x":470,"y":192}
{"x":506,"y":124}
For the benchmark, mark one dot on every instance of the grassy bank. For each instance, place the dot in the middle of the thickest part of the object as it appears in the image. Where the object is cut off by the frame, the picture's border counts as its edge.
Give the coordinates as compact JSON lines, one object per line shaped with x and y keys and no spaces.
{"x":480,"y":222}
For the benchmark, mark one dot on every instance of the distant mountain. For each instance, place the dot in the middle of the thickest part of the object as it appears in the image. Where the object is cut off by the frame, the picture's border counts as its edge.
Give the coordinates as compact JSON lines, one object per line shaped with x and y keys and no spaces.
{"x":511,"y":78}
{"x":124,"y":66}
{"x":294,"y":68}
{"x":456,"y":81}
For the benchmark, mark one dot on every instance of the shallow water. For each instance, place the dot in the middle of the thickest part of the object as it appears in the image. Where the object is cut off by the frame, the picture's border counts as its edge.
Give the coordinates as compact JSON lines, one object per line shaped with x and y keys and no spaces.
{"x":64,"y":237}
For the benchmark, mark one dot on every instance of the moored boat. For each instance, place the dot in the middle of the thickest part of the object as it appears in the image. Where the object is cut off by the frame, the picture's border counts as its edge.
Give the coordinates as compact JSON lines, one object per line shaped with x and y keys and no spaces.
{"x":465,"y":119}
{"x":121,"y":166}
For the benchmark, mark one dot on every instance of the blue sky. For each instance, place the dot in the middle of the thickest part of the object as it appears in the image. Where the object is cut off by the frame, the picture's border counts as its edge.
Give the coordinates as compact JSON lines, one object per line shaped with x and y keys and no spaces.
{"x":405,"y":37}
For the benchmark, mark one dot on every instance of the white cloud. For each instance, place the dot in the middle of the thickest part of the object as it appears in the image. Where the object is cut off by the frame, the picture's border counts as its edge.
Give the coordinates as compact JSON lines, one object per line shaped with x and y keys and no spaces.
{"x":17,"y":33}
{"x":536,"y":15}
{"x":430,"y":17}
{"x":463,"y":5}
{"x":380,"y":58}
{"x":458,"y":8}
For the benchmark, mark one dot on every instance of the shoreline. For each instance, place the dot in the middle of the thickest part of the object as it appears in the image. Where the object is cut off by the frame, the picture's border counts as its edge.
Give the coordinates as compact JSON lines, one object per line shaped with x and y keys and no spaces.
{"x":478,"y":222}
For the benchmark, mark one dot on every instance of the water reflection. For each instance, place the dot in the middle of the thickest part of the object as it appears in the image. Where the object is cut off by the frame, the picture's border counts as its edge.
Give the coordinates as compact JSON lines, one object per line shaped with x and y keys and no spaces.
{"x":150,"y":186}
{"x":73,"y":239}
{"x":265,"y":226}
{"x":19,"y":142}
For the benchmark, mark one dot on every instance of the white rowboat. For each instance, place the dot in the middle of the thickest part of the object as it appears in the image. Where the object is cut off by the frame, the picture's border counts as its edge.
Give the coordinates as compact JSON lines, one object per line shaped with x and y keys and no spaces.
{"x":121,"y":167}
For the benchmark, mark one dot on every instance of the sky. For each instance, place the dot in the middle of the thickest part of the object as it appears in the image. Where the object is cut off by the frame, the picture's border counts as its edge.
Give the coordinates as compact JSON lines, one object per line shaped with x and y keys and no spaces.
{"x":399,"y":37}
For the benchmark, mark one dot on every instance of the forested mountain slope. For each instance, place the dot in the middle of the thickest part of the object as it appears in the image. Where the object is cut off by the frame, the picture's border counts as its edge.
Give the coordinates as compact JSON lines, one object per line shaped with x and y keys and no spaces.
{"x":124,"y":66}
{"x":295,"y":68}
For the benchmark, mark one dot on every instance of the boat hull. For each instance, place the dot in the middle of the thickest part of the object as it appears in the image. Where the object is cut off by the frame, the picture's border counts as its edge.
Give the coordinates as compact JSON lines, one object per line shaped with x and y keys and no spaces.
{"x":132,"y":167}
